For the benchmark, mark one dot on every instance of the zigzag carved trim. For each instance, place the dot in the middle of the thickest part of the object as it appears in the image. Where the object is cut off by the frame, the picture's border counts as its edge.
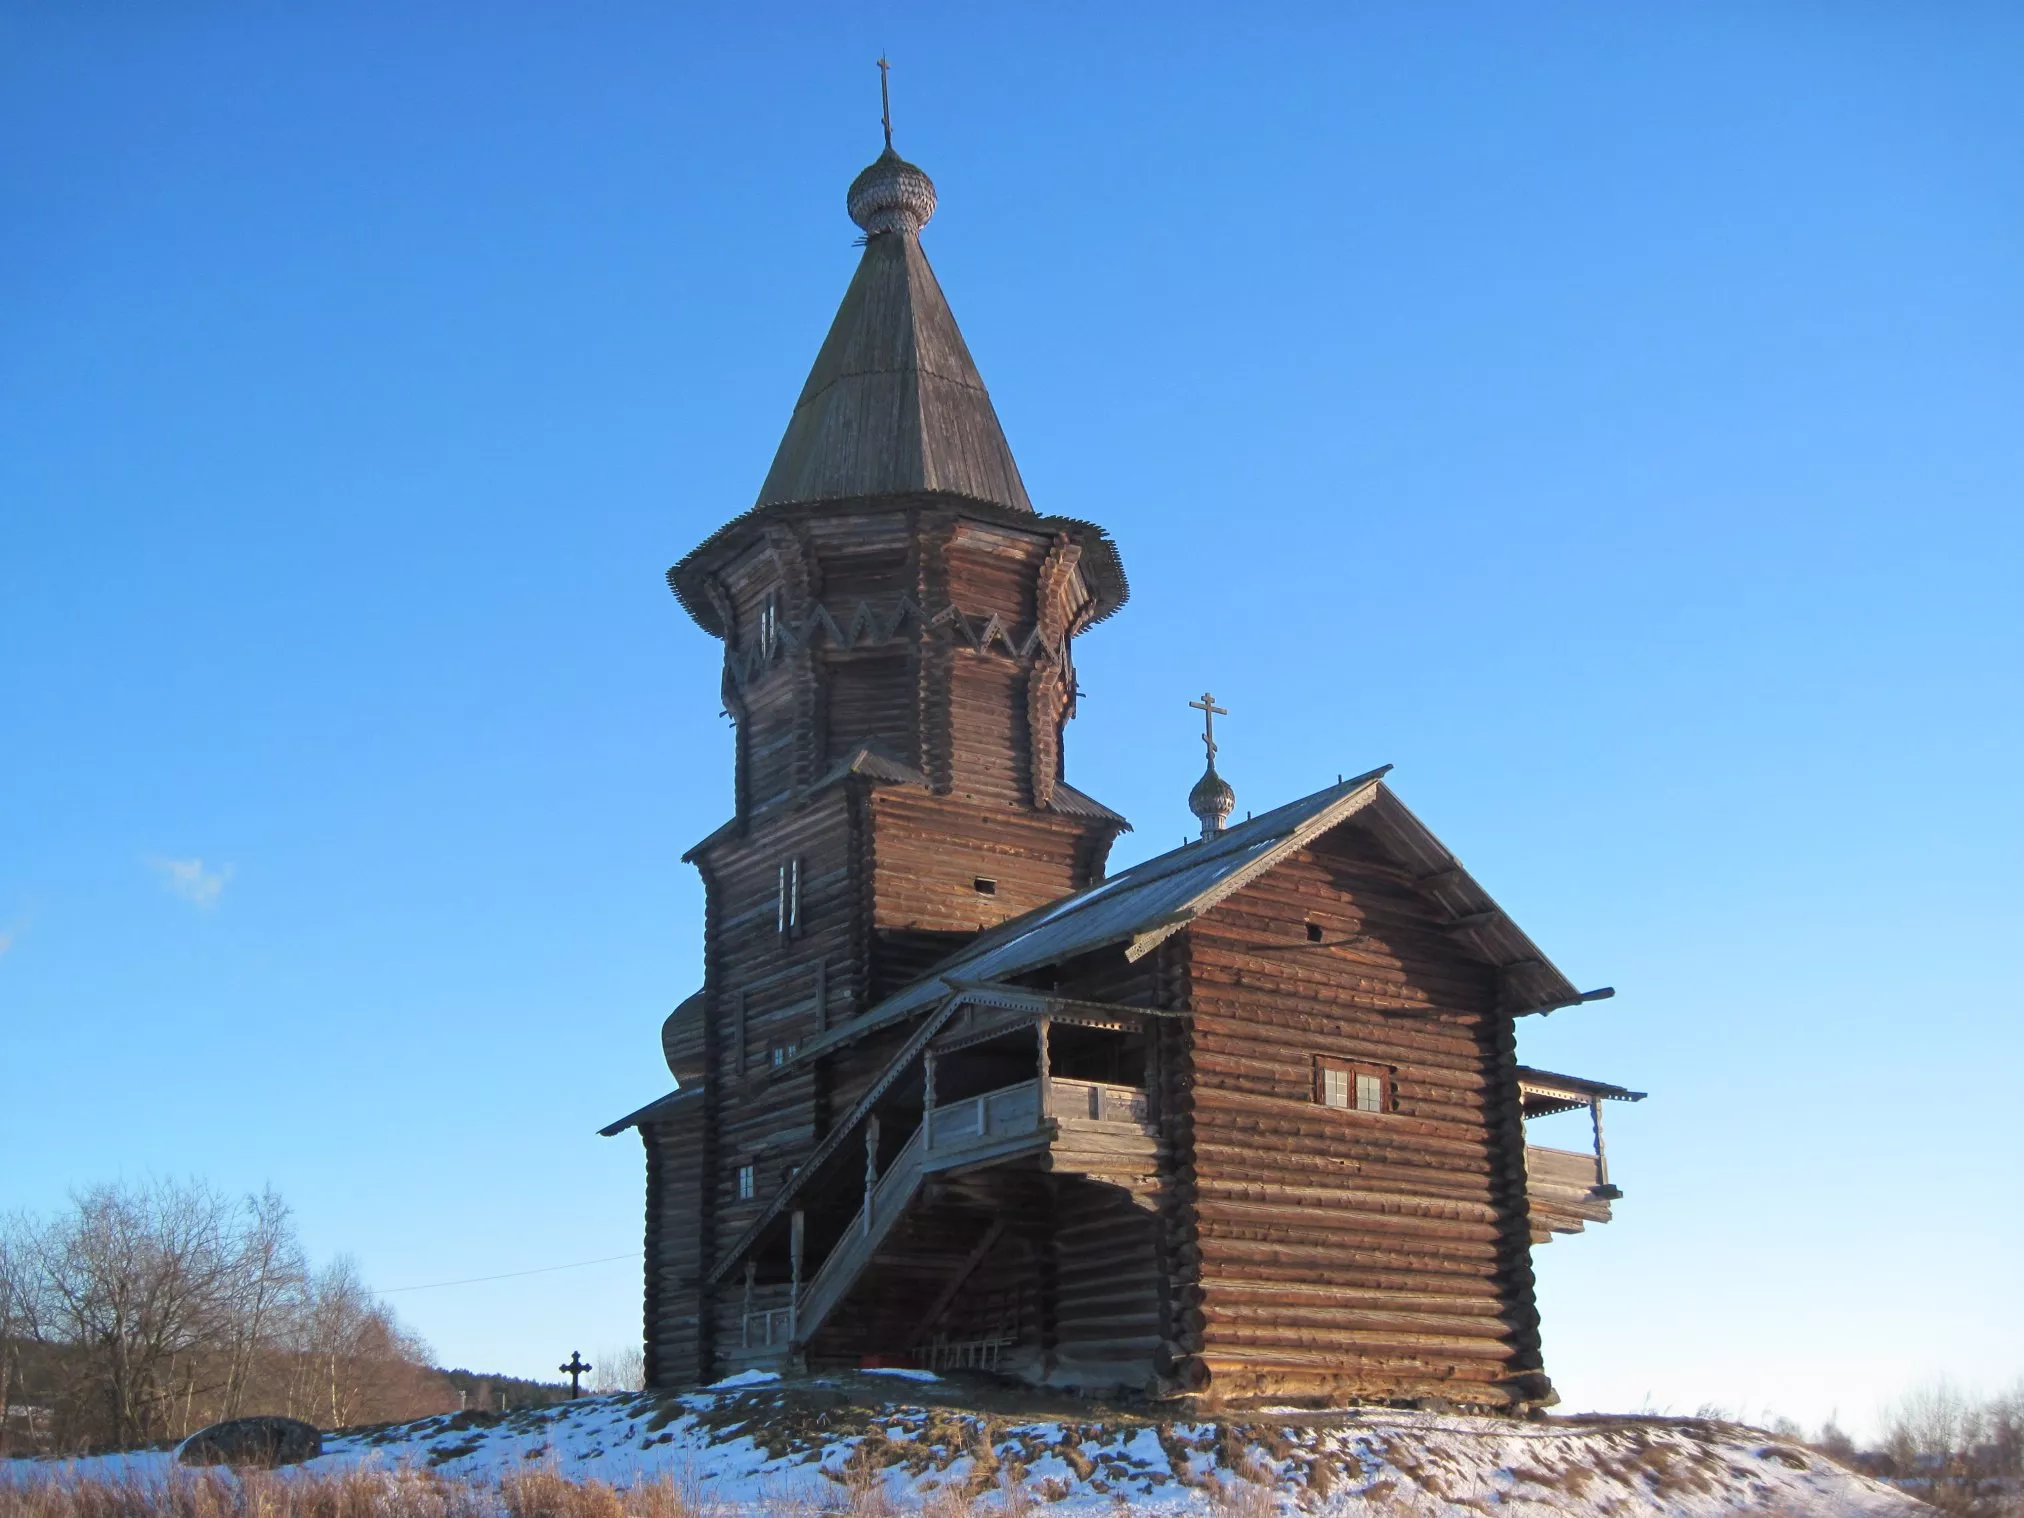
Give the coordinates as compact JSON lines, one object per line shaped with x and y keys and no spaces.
{"x":870,"y":628}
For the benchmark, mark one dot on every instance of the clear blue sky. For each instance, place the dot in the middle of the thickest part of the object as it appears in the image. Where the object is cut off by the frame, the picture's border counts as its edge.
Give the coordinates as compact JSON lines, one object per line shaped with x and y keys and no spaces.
{"x":1612,"y":416}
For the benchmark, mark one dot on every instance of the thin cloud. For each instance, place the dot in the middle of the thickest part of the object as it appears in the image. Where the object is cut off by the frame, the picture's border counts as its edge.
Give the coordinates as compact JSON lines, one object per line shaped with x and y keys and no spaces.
{"x":189,"y":879}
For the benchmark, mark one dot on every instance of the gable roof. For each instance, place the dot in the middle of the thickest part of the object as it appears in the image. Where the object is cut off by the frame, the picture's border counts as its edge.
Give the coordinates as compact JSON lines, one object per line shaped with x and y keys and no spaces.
{"x":1143,"y":906}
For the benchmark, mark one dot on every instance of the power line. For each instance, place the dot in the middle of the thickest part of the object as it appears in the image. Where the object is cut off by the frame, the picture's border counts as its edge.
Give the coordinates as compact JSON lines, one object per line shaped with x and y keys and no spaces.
{"x":508,"y":1276}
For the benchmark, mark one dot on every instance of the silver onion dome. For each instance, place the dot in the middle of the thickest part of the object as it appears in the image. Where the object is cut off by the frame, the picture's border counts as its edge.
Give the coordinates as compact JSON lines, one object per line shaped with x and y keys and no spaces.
{"x":891,"y":196}
{"x":1212,"y":801}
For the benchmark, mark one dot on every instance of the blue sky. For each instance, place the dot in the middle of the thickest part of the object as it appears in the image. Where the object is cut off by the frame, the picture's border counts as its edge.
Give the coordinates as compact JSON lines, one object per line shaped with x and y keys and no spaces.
{"x":1609,"y":416}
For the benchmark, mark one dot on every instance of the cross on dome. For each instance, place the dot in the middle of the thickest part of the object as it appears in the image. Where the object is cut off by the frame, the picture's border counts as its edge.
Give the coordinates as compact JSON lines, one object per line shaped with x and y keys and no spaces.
{"x":891,"y":195}
{"x":1212,"y":800}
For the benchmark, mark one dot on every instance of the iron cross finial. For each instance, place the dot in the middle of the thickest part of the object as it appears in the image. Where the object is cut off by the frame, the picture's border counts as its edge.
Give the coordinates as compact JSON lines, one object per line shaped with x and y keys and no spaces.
{"x":1210,"y":712}
{"x":885,"y":100}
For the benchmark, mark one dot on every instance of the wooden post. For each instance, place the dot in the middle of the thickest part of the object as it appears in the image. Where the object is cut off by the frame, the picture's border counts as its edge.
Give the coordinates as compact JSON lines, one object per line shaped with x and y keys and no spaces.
{"x":797,"y":1235}
{"x":927,"y":1101}
{"x":739,"y":1043}
{"x":870,"y":1169}
{"x":822,"y":996}
{"x":745,"y":1312}
{"x":1601,"y":1154}
{"x":1046,"y":1074}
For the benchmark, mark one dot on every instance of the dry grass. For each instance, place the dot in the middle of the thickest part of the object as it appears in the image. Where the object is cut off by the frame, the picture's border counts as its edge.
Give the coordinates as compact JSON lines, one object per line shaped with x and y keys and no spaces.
{"x":350,"y":1494}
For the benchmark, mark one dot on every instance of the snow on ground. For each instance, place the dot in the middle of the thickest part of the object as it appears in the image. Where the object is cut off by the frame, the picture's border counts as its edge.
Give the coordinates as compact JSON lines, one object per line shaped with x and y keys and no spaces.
{"x":752,"y":1445}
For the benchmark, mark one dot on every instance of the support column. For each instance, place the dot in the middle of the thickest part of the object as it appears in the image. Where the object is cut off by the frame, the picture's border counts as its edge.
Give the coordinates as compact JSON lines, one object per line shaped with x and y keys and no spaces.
{"x":1046,"y":1072}
{"x":927,"y":1103}
{"x":797,"y":1235}
{"x":1601,"y":1154}
{"x":870,"y":1170}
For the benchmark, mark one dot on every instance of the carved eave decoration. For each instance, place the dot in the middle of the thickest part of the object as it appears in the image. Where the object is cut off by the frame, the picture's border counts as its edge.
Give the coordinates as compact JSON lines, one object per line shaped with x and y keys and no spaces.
{"x":693,"y":579}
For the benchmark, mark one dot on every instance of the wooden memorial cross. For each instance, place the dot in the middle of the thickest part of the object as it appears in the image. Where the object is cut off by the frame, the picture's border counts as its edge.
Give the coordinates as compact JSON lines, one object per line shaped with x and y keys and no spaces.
{"x":574,"y":1370}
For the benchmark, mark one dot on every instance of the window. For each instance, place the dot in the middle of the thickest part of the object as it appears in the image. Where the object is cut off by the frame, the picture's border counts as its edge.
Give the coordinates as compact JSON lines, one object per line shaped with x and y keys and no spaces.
{"x":769,"y":624}
{"x":1314,"y":932}
{"x":985,"y":886}
{"x":788,"y":901}
{"x":782,"y":1053}
{"x":1353,"y":1088}
{"x":747,"y":1182}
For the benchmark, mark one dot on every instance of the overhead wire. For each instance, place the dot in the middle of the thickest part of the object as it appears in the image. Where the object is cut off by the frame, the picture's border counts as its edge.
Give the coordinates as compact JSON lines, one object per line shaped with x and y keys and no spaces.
{"x":508,"y":1275}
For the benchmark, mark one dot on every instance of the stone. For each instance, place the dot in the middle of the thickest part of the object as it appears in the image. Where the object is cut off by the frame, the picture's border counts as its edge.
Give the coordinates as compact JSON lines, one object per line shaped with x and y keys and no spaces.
{"x":264,"y":1442}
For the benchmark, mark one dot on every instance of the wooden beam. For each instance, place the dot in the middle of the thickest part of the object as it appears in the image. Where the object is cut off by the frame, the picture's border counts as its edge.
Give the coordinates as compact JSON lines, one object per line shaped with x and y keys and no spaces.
{"x":964,"y":1271}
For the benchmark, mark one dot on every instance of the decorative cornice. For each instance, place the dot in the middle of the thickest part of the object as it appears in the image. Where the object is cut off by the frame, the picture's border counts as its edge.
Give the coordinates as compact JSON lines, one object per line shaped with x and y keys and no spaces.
{"x":881,"y":624}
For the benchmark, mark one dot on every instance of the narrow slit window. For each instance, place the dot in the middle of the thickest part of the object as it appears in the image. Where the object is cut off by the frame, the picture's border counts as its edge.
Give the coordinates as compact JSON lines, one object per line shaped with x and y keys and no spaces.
{"x":986,"y":886}
{"x":787,"y":905}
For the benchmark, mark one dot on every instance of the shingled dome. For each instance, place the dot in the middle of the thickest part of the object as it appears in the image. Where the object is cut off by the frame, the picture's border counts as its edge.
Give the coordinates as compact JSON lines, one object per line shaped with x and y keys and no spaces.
{"x":894,"y":404}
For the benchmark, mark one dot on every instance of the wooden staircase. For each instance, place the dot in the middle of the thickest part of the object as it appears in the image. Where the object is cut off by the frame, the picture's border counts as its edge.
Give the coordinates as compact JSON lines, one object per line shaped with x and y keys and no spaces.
{"x":1069,"y":1126}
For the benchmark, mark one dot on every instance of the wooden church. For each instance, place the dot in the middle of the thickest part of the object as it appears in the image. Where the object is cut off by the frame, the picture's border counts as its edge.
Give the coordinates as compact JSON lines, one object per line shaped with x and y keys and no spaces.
{"x":1243,"y":1122}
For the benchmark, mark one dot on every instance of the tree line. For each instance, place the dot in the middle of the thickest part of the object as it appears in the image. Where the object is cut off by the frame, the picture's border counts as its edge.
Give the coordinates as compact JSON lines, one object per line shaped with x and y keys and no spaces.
{"x":145,"y":1311}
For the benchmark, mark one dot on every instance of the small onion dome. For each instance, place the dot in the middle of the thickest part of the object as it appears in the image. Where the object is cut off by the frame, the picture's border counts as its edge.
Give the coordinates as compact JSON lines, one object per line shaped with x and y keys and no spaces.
{"x":1212,"y":800}
{"x":891,"y":196}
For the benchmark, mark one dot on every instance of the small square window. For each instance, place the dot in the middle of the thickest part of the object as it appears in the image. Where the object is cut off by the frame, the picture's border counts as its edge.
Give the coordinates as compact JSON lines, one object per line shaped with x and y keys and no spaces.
{"x":747,"y":1182}
{"x":1369,"y":1093}
{"x":1314,"y":932}
{"x":986,"y":887}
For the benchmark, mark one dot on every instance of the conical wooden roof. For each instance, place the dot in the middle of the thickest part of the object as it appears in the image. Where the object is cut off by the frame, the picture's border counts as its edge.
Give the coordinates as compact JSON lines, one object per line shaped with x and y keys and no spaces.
{"x":894,"y":404}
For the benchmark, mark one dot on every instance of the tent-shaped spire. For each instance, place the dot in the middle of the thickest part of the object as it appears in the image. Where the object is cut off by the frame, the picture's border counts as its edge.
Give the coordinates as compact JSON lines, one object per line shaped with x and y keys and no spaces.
{"x":894,"y":404}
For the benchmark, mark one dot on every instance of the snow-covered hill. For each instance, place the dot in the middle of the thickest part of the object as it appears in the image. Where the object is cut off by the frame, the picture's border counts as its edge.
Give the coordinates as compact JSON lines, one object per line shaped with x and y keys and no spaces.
{"x":756,"y":1443}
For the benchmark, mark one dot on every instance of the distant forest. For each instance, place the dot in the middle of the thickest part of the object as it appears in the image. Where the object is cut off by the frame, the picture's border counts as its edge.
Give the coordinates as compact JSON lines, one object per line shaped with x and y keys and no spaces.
{"x":145,"y":1312}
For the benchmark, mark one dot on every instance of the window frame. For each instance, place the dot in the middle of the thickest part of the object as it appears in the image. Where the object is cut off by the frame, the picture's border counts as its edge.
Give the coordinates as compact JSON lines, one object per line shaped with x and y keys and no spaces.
{"x":787,"y":899}
{"x":1350,"y":1069}
{"x":745,"y":1181}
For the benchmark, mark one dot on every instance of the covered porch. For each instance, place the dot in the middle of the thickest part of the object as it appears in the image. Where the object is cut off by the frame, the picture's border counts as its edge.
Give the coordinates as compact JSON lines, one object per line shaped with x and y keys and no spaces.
{"x":1018,"y":1112}
{"x":1567,"y":1189}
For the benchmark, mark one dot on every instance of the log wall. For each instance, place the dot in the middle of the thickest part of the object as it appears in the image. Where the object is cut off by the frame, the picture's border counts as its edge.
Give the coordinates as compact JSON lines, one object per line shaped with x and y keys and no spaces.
{"x":1335,"y":1254}
{"x":674,"y":1246}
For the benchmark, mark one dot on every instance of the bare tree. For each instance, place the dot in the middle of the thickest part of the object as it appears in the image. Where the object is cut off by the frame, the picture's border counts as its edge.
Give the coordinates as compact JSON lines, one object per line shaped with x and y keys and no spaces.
{"x":149,"y":1310}
{"x":268,"y":1282}
{"x":620,"y":1370}
{"x":358,"y":1358}
{"x":138,"y":1274}
{"x":1934,"y":1420}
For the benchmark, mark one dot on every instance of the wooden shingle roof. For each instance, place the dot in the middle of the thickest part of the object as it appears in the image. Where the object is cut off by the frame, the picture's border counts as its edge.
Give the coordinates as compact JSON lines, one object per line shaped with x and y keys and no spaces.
{"x":894,"y":404}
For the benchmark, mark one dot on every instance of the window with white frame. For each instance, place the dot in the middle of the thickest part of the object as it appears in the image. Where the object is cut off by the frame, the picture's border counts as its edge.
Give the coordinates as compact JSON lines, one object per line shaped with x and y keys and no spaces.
{"x":748,"y":1182}
{"x":788,"y":900}
{"x":1352,"y":1087}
